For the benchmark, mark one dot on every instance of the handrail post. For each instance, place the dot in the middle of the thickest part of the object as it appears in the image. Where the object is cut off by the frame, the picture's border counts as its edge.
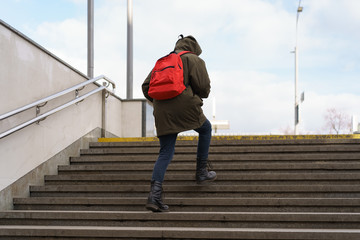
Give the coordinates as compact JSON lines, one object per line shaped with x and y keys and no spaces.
{"x":103,"y":112}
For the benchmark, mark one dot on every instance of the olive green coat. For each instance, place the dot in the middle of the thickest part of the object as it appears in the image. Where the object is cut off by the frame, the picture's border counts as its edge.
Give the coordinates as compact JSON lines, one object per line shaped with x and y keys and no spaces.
{"x":183,"y":112}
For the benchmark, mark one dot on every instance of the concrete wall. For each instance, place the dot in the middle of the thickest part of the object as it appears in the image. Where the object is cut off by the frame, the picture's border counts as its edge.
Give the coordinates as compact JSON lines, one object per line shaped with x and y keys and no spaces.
{"x":130,"y":115}
{"x":20,"y":188}
{"x":33,"y":73}
{"x":28,"y":73}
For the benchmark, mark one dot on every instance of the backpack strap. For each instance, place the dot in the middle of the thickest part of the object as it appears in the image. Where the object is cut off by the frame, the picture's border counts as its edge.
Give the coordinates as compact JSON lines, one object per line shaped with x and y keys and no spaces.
{"x":183,"y":52}
{"x":180,"y":54}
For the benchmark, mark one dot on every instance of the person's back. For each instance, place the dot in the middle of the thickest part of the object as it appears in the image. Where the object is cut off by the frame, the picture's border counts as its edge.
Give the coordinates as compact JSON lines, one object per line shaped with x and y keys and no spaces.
{"x":183,"y":112}
{"x":179,"y":114}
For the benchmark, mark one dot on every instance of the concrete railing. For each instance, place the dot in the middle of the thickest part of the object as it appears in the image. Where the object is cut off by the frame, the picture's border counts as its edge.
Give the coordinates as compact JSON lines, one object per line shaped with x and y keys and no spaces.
{"x":28,"y":73}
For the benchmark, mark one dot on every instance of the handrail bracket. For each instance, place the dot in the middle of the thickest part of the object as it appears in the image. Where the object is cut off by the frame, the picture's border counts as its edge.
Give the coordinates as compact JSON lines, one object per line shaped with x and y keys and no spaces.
{"x":40,"y":106}
{"x":38,"y":111}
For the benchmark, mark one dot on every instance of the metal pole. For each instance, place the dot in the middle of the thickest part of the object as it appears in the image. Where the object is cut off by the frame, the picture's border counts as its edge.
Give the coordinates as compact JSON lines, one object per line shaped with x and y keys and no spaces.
{"x":90,"y":56}
{"x":129,"y":73}
{"x":297,"y":112}
{"x":296,"y":94}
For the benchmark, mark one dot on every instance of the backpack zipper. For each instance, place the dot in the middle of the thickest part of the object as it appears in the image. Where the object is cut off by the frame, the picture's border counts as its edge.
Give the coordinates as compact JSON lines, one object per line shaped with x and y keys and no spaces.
{"x":165,"y":68}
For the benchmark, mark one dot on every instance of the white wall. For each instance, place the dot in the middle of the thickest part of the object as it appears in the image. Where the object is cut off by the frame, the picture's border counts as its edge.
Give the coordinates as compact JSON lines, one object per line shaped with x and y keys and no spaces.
{"x":130,"y":115}
{"x":28,"y":73}
{"x":32,"y":73}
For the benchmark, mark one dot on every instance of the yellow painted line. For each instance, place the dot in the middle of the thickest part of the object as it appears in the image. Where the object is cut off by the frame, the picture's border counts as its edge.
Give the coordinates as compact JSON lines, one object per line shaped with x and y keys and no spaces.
{"x":238,"y":137}
{"x":287,"y":137}
{"x":130,"y":139}
{"x":143,"y":139}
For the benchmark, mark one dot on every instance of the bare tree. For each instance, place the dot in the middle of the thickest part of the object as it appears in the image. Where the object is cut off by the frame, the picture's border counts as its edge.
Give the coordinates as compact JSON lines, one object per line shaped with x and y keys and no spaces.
{"x":337,"y":122}
{"x":287,"y":131}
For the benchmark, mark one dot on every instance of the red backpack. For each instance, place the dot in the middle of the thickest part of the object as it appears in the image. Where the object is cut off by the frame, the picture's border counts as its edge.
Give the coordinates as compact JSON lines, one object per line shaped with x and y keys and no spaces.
{"x":167,"y":77}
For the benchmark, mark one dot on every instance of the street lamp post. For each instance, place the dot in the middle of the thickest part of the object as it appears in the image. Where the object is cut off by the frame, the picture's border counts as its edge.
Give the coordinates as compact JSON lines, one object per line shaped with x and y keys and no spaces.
{"x":129,"y":71}
{"x":297,"y":113}
{"x":90,"y":54}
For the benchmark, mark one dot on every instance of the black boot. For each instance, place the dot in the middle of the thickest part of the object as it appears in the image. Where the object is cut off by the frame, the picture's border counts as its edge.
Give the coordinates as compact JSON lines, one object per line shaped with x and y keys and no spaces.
{"x":202,"y":174}
{"x":154,"y":202}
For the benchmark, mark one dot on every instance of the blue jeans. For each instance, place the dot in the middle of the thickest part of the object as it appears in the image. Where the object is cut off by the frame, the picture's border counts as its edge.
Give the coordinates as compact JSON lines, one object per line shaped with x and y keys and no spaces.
{"x":167,"y":149}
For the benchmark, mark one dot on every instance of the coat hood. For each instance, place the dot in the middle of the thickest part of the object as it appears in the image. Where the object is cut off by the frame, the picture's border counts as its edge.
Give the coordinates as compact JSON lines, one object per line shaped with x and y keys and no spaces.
{"x":188,"y":43}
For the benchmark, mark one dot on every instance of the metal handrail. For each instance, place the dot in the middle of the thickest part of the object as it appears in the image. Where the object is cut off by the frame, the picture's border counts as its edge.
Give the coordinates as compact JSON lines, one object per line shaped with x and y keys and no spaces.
{"x":43,"y":116}
{"x":56,"y":95}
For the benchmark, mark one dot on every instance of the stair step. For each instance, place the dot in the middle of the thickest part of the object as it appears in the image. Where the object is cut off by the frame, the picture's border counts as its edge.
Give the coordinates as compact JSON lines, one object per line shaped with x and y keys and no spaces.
{"x":238,"y":168}
{"x":199,"y":190}
{"x":299,"y":157}
{"x":227,"y":142}
{"x":91,"y":232}
{"x":189,"y":178}
{"x":228,"y":149}
{"x":218,"y":204}
{"x":268,"y":189}
{"x":242,"y":166}
{"x":250,"y":176}
{"x":182,"y":219}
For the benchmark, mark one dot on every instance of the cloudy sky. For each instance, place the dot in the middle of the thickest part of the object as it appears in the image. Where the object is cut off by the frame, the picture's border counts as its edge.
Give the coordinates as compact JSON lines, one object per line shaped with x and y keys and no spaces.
{"x":246,"y":45}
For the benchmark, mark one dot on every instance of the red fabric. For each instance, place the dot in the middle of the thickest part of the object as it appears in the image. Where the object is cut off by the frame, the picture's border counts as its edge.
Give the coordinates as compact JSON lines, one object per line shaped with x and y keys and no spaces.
{"x":167,"y":77}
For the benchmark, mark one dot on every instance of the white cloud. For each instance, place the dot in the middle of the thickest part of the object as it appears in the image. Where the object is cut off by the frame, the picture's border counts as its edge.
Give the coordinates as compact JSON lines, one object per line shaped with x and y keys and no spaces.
{"x":328,"y":31}
{"x":246,"y":45}
{"x":252,"y":101}
{"x":66,"y":40}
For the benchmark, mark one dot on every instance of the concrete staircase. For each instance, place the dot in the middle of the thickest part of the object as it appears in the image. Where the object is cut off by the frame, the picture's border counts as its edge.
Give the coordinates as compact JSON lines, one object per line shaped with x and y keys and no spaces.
{"x":266,"y":189}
